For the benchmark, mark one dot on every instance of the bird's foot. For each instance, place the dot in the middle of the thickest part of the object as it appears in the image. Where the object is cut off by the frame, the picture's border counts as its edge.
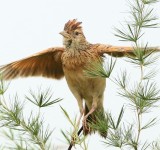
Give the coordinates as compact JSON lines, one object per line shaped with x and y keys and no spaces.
{"x":86,"y":128}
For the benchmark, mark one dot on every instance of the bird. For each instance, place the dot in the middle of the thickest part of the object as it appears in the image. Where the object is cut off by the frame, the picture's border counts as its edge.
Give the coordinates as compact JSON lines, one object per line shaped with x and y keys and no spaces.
{"x":69,"y":61}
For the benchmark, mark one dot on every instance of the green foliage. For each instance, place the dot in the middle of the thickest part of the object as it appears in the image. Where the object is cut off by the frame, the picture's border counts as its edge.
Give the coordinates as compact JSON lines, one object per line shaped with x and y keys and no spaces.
{"x":144,"y":56}
{"x":144,"y":95}
{"x":141,"y":17}
{"x":115,"y":134}
{"x":25,"y":133}
{"x":156,"y":145}
{"x":42,"y":98}
{"x":72,"y":136}
{"x":100,"y":123}
{"x":3,"y":86}
{"x":98,"y":69}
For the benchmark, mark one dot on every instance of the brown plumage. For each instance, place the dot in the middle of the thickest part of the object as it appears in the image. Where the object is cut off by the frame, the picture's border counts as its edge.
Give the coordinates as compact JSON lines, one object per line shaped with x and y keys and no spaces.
{"x":69,"y":62}
{"x":40,"y":64}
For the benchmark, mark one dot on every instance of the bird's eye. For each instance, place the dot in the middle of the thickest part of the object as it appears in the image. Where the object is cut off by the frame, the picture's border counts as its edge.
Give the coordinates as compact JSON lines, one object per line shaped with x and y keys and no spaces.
{"x":76,"y":33}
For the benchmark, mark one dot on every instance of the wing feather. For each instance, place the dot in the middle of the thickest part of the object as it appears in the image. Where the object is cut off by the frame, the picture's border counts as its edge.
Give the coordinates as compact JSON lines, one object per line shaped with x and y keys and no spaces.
{"x":46,"y":63}
{"x":120,"y":51}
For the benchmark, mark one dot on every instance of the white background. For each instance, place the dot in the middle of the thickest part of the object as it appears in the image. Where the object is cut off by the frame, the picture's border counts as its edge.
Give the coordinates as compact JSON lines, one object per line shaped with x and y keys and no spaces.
{"x":29,"y":26}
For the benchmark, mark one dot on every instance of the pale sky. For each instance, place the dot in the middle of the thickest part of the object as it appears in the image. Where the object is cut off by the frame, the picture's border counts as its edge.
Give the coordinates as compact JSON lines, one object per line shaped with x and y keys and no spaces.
{"x":29,"y":26}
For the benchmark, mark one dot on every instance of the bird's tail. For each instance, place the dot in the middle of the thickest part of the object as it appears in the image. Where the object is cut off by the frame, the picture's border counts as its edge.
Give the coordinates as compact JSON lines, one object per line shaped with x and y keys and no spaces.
{"x":96,"y":122}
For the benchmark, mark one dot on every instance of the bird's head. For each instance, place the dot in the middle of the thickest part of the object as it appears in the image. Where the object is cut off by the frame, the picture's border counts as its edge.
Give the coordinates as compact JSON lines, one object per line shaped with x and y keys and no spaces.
{"x":73,"y":36}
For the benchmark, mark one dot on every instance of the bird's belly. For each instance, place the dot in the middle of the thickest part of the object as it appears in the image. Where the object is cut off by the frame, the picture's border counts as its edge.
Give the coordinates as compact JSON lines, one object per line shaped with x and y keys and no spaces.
{"x":85,"y":87}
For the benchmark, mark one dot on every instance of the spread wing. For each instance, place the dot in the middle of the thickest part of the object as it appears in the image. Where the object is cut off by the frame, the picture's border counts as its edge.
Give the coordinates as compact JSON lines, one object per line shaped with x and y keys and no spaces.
{"x":120,"y":51}
{"x":46,"y":63}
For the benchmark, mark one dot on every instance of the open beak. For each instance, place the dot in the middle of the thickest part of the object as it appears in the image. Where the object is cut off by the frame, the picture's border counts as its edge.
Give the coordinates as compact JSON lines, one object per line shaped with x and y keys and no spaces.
{"x":64,"y":34}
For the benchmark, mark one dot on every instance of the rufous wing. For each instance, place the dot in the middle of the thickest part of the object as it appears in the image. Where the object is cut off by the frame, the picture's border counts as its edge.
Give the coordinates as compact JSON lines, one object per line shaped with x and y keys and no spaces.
{"x":46,"y":63}
{"x":120,"y":51}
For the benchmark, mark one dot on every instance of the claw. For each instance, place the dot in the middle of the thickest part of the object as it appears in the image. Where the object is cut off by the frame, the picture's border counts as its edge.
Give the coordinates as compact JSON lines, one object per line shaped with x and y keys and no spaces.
{"x":86,"y":127}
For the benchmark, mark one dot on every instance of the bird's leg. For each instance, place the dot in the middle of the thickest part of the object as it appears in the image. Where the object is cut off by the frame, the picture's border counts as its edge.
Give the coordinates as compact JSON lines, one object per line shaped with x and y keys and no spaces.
{"x":93,"y":108}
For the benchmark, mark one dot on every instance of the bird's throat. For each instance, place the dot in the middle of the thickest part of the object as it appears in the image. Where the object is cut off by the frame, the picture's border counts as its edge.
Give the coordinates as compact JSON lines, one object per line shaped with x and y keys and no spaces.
{"x":75,"y":49}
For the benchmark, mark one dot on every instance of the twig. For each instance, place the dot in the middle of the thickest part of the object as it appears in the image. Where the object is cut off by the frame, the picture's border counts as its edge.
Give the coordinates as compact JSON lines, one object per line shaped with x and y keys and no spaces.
{"x":79,"y":132}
